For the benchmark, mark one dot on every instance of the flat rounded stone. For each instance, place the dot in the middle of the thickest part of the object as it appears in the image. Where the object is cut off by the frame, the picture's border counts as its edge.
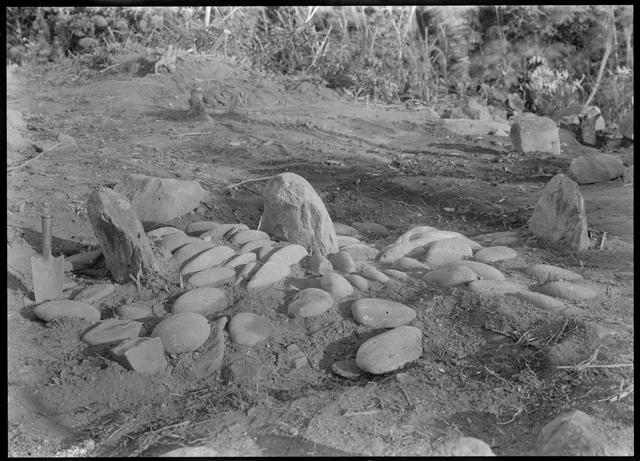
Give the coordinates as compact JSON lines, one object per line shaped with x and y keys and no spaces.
{"x":247,"y":271}
{"x":113,"y":330}
{"x":343,"y":229}
{"x":310,"y":302}
{"x":346,"y":240}
{"x":222,"y":230}
{"x":240,"y":260}
{"x":192,"y":452}
{"x":95,"y":293}
{"x":214,"y":277}
{"x":198,"y":228}
{"x":188,"y":251}
{"x":248,"y":329}
{"x":414,"y":232}
{"x":361,"y":252}
{"x":207,"y":259}
{"x":342,"y":262}
{"x":381,"y":313}
{"x":175,"y":240}
{"x":442,"y":252}
{"x":135,"y":311}
{"x":318,"y":264}
{"x":539,"y":300}
{"x":202,"y":300}
{"x":357,"y":281}
{"x":371,"y":228}
{"x":491,"y":288}
{"x":464,"y":446}
{"x":51,"y":310}
{"x":484,"y":271}
{"x":450,"y":276}
{"x":336,"y":285}
{"x":549,"y":273}
{"x":397,"y":250}
{"x":369,"y":272}
{"x":503,"y":238}
{"x":247,"y":235}
{"x":494,"y":254}
{"x":396,"y":274}
{"x":346,"y":368}
{"x":268,"y":274}
{"x":568,"y":290}
{"x":255,"y":245}
{"x":182,"y":332}
{"x":409,"y":264}
{"x":161,"y":232}
{"x":390,"y":350}
{"x":289,"y":255}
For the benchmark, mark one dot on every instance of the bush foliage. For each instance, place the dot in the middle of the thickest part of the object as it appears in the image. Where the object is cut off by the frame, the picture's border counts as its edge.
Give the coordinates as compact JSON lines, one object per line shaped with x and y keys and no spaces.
{"x":537,"y":58}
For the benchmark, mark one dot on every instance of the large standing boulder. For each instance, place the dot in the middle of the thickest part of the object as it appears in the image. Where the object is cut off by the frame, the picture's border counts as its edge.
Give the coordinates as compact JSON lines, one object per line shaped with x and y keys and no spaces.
{"x":560,"y":216}
{"x":124,"y":244}
{"x":294,"y":212}
{"x":589,"y":169}
{"x":530,"y":133}
{"x":157,"y":200}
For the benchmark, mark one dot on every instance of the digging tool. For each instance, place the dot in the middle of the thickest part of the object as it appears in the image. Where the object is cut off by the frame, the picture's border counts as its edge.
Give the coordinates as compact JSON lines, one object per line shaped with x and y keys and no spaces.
{"x":48,"y":272}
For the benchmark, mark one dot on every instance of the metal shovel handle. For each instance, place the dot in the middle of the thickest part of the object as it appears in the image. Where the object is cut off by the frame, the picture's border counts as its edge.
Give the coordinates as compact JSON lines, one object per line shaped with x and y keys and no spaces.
{"x":46,"y":235}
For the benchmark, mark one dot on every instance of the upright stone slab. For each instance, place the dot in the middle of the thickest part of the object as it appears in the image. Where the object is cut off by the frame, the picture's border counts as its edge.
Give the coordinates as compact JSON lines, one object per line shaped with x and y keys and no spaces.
{"x":160,"y":199}
{"x":294,"y":212}
{"x":560,"y":216}
{"x":530,"y":133}
{"x":122,"y":240}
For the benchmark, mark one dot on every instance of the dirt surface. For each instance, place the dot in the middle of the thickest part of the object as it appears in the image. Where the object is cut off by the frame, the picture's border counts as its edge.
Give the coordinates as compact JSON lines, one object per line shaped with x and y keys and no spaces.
{"x":391,"y":165}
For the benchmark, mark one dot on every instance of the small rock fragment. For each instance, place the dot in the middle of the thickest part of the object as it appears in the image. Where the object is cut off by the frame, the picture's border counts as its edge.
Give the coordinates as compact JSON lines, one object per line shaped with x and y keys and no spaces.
{"x":310,"y":302}
{"x":337,"y":286}
{"x":342,"y":262}
{"x":95,"y":292}
{"x":113,"y":330}
{"x":347,"y":369}
{"x":143,"y":355}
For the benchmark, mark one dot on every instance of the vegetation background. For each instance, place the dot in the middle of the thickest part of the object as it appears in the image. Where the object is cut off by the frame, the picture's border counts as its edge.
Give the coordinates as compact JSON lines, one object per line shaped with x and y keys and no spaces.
{"x":535,"y":58}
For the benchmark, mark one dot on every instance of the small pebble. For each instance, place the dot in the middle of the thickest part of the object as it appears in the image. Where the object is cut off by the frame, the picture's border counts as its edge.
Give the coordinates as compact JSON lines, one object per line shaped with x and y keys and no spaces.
{"x":318,"y":264}
{"x":190,"y":250}
{"x":342,"y":262}
{"x":255,"y":245}
{"x":51,"y":310}
{"x":240,"y":260}
{"x":207,"y":259}
{"x":409,"y":264}
{"x":247,"y":235}
{"x":337,"y":286}
{"x":198,"y":228}
{"x":310,"y":302}
{"x":214,"y":277}
{"x":268,"y":274}
{"x":218,"y":232}
{"x":357,"y":281}
{"x":450,"y":276}
{"x":347,"y":369}
{"x":484,"y":271}
{"x":135,"y":311}
{"x":443,"y":252}
{"x":390,"y":350}
{"x":369,"y":272}
{"x":289,"y":255}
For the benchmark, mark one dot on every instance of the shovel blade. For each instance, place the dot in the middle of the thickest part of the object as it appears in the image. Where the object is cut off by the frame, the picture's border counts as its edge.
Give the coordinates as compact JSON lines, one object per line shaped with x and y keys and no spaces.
{"x":48,"y":277}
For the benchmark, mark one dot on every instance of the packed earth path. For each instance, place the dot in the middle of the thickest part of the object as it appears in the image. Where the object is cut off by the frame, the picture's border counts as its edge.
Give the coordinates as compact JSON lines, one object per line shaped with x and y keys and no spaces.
{"x":484,"y":370}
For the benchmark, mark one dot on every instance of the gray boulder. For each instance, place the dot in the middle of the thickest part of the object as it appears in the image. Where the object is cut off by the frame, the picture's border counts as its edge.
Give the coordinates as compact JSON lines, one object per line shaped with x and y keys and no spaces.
{"x":560,"y":216}
{"x":589,"y":169}
{"x":157,"y":200}
{"x":530,"y":133}
{"x":294,"y":212}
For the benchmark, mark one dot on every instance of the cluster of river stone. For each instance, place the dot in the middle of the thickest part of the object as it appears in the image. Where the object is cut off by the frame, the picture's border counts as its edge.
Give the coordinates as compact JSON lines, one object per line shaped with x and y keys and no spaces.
{"x":212,"y":256}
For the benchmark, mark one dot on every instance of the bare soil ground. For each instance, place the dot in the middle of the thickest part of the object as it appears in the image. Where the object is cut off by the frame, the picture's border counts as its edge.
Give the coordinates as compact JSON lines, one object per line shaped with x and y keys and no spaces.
{"x":369,"y":163}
